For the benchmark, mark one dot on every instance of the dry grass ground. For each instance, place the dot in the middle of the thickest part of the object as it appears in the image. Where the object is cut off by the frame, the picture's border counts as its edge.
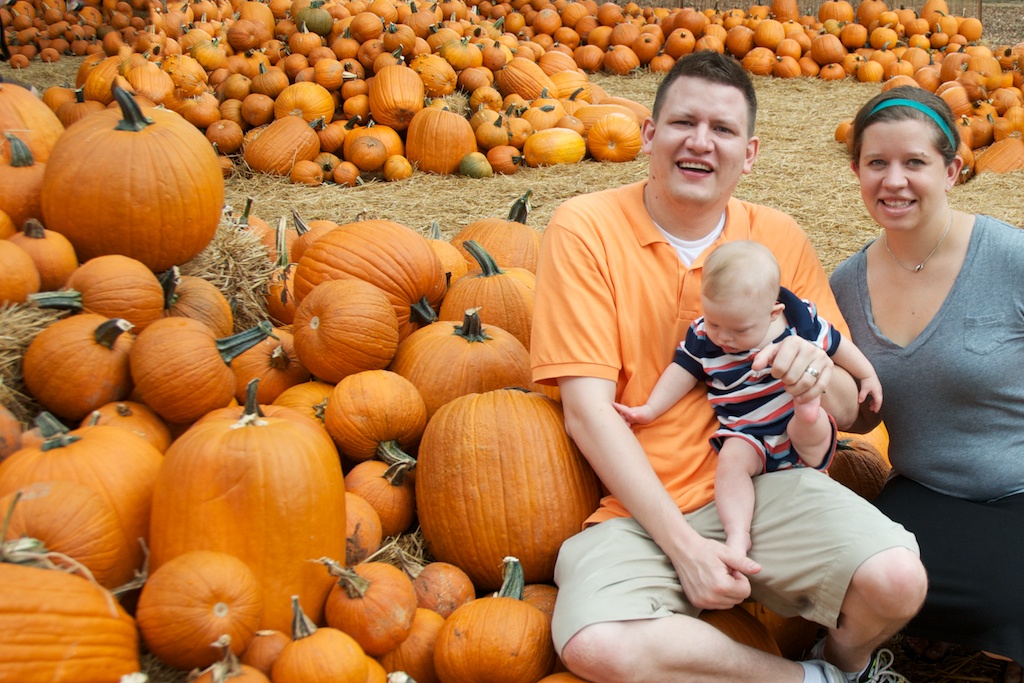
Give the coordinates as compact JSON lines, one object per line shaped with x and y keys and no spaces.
{"x":801,"y":170}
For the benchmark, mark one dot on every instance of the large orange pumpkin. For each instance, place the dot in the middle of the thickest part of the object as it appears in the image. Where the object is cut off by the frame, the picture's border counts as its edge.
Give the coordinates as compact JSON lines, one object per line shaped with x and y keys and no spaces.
{"x":267,"y":489}
{"x":88,"y":635}
{"x":438,"y":139}
{"x":498,"y":474}
{"x":30,"y":119}
{"x":91,"y":188}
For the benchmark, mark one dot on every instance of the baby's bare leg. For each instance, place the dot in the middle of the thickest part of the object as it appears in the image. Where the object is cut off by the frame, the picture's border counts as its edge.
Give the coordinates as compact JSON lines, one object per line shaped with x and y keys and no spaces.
{"x":810,"y":432}
{"x":738,"y":463}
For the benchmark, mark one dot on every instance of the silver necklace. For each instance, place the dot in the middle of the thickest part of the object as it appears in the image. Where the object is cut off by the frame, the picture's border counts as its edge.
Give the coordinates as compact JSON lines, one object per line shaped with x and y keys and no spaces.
{"x":920,"y":266}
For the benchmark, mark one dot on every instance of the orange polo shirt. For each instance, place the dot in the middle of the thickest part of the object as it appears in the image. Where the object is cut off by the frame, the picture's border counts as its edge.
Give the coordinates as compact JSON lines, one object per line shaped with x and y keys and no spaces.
{"x":613,"y":301}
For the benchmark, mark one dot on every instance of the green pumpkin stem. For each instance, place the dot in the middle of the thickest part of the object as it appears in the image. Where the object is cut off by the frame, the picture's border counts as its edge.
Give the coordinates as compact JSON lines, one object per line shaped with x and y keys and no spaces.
{"x":169,"y":281}
{"x":282,"y":258}
{"x":435,"y":231}
{"x":108,"y":331}
{"x":21,"y":155}
{"x":251,"y":413}
{"x":55,"y":433}
{"x":302,"y":626}
{"x":396,"y":473}
{"x":488,"y":266}
{"x":243,"y":220}
{"x":471,"y":329}
{"x":390,"y":452}
{"x":133,"y":120}
{"x":355,"y":586}
{"x":513,"y":581}
{"x":237,"y":344}
{"x":63,"y":300}
{"x":521,"y":208}
{"x":422,"y":313}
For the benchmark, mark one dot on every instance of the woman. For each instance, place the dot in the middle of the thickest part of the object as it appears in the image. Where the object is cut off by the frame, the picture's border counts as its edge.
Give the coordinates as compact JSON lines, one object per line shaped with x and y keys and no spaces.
{"x":936,"y":304}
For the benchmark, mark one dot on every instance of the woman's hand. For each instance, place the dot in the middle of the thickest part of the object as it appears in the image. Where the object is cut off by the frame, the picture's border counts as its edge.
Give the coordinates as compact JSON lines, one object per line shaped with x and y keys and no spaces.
{"x":803,"y":368}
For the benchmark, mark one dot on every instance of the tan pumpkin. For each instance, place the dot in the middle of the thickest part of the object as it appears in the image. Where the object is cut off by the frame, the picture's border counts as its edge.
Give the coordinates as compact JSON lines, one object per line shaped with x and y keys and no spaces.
{"x":860,"y":467}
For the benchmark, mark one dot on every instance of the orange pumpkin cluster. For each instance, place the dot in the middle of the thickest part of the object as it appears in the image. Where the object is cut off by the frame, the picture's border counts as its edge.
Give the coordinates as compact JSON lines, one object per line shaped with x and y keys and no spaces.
{"x":250,"y":73}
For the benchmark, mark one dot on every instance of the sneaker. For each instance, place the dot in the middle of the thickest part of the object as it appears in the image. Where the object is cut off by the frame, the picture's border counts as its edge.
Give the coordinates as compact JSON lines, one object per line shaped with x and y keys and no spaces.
{"x":880,"y":670}
{"x":831,"y":672}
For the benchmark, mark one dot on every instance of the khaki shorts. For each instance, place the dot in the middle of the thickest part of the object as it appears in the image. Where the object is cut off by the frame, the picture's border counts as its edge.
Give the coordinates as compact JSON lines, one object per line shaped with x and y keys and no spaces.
{"x":810,"y":534}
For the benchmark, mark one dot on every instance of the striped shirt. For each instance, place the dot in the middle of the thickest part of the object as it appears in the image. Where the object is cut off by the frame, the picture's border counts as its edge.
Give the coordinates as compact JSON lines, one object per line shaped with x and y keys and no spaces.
{"x":752,"y":404}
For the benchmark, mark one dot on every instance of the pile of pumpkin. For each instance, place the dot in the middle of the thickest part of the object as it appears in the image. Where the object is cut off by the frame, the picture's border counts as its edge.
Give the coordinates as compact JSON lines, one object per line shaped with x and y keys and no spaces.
{"x":329,"y":90}
{"x":388,"y":390}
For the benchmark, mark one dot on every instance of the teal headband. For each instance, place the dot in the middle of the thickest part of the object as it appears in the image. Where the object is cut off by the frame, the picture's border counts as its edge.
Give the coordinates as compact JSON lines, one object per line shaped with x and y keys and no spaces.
{"x":913,"y":104}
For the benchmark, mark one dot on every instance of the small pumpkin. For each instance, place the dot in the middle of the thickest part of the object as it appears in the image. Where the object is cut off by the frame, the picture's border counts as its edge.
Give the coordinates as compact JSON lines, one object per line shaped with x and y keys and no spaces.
{"x":78,"y":364}
{"x":318,"y":654}
{"x":389,"y":488}
{"x":193,"y":599}
{"x":496,"y":633}
{"x":415,"y":654}
{"x":343,"y":327}
{"x":51,"y":251}
{"x":372,"y":412}
{"x":554,"y":146}
{"x":363,"y":531}
{"x":374,"y":602}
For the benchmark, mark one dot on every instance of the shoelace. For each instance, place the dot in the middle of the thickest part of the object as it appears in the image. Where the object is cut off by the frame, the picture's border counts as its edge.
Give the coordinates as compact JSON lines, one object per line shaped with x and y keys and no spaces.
{"x":881,"y":671}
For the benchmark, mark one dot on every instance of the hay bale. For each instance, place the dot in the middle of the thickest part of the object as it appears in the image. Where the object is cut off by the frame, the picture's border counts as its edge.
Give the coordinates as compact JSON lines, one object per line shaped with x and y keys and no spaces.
{"x":19,"y":325}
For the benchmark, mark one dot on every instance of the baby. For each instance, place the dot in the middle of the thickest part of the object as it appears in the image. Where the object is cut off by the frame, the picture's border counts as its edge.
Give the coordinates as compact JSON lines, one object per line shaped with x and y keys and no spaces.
{"x":762,"y":429}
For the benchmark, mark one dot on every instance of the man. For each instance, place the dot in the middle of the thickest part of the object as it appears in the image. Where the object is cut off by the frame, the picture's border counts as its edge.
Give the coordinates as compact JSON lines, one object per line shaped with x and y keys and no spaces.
{"x":618,"y":285}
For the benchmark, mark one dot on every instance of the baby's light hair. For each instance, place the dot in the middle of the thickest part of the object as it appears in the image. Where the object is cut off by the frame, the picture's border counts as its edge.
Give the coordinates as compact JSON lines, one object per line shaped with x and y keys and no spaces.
{"x":741,"y":268}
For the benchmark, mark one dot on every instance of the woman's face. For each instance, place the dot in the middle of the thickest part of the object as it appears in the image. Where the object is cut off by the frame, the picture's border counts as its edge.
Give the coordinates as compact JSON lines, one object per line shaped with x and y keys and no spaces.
{"x":903,"y":177}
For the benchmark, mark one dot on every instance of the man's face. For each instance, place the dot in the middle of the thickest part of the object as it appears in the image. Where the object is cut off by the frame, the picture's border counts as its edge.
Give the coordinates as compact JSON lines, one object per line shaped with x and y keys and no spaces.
{"x":699,"y":146}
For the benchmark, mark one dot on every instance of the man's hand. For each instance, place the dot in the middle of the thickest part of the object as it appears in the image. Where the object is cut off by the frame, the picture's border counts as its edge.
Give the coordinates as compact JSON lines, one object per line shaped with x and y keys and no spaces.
{"x":803,"y":368}
{"x":714,"y":576}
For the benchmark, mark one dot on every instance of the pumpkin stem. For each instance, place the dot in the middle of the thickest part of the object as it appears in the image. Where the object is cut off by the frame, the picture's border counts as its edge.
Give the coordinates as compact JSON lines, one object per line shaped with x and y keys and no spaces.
{"x":228,"y":666}
{"x":281,"y":244}
{"x":133,"y":120}
{"x":409,"y":564}
{"x":435,"y":230}
{"x":21,"y":155}
{"x":64,"y":300}
{"x":55,"y":433}
{"x":355,"y":586}
{"x":390,"y":452}
{"x":34,"y":229}
{"x":471,"y":329}
{"x":488,"y":266}
{"x":421,"y":312}
{"x":302,"y":626}
{"x":108,"y":331}
{"x":233,"y":346}
{"x":243,"y":220}
{"x":512,"y":579}
{"x":395,"y":474}
{"x":251,"y":414}
{"x":169,"y":280}
{"x":520,"y":208}
{"x":92,"y":419}
{"x":301,"y":226}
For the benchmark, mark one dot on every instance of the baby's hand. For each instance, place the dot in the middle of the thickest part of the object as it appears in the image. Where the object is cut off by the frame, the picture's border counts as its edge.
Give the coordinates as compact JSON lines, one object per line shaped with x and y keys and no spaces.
{"x":870,"y":386}
{"x":638,"y":415}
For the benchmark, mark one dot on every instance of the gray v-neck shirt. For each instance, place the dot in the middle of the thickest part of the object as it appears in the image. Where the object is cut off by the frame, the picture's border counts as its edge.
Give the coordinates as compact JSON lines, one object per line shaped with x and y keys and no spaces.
{"x":954,"y":397}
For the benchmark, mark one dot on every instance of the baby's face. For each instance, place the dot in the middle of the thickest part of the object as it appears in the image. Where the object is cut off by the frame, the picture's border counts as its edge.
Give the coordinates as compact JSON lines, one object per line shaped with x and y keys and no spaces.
{"x":739,"y":323}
